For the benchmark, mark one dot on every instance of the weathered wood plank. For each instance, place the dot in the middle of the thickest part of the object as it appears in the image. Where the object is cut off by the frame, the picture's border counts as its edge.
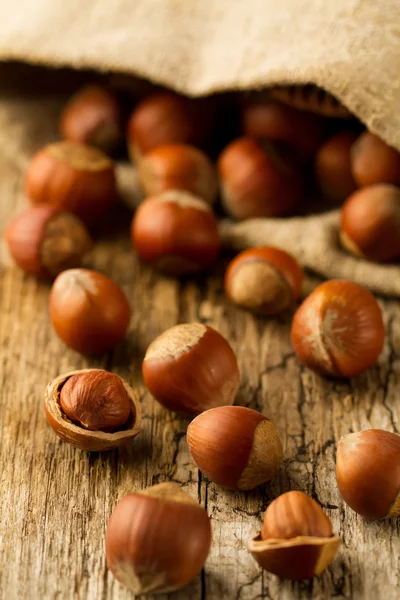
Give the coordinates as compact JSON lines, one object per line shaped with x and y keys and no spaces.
{"x":55,"y":501}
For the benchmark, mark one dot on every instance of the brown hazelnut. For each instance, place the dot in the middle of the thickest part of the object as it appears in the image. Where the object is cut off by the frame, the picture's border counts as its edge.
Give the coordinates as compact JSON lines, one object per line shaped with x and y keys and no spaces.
{"x":178,"y":167}
{"x":264,"y":280}
{"x":296,"y":539}
{"x":373,"y":161}
{"x":45,"y":240}
{"x":256,"y":181}
{"x":176,"y":232}
{"x":88,"y":310}
{"x":370,"y":223}
{"x":296,"y":130}
{"x":332,"y":167}
{"x":338,"y":330}
{"x":368,"y":473}
{"x":93,"y":116}
{"x":235,"y":447}
{"x":191,"y":368}
{"x":157,"y":539}
{"x":93,"y":410}
{"x":165,"y":118}
{"x":75,"y":177}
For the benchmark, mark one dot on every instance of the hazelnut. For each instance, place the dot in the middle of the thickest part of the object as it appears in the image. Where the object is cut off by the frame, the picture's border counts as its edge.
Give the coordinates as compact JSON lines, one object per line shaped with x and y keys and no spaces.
{"x":93,"y":116}
{"x":296,"y":539}
{"x":75,"y":177}
{"x":332,"y":167}
{"x":368,"y":473}
{"x":373,"y":161}
{"x":93,"y":410}
{"x":157,"y":539}
{"x":235,"y":447}
{"x":88,"y":310}
{"x":191,"y":368}
{"x":370,"y":223}
{"x":165,"y":118}
{"x":338,"y":330}
{"x":178,"y":167}
{"x":176,"y":232}
{"x":45,"y":240}
{"x":264,"y":280}
{"x":296,"y":130}
{"x":256,"y":181}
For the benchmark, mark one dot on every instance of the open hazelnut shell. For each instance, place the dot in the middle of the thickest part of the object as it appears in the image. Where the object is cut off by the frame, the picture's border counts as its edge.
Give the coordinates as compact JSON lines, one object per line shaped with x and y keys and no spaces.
{"x":80,"y":437}
{"x":298,"y":558}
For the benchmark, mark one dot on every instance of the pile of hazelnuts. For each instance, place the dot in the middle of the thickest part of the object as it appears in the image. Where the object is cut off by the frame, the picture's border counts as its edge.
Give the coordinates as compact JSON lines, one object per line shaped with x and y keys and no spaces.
{"x":158,"y":539}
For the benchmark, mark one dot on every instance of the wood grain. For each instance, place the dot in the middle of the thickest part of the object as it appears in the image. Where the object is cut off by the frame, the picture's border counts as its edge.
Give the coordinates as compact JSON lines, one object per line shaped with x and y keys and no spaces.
{"x":55,"y":500}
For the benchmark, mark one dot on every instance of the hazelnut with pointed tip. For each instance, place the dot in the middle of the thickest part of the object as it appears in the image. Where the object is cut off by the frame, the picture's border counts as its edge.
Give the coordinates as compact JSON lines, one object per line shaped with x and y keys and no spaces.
{"x":176,"y":232}
{"x":157,"y":540}
{"x":338,"y":330}
{"x":190,"y":368}
{"x":296,"y":539}
{"x":93,"y":116}
{"x":45,"y":240}
{"x":332,"y":166}
{"x":235,"y":447}
{"x":78,"y":178}
{"x":368,"y":472}
{"x":93,"y":409}
{"x":178,"y":167}
{"x":88,"y":310}
{"x":265,"y":280}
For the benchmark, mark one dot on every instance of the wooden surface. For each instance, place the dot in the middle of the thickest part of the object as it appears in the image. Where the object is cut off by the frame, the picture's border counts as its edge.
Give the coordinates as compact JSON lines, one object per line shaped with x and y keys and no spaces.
{"x":55,"y":500}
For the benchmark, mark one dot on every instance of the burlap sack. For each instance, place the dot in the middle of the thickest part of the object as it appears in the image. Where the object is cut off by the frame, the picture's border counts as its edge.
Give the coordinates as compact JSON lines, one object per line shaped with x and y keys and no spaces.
{"x":351,"y":48}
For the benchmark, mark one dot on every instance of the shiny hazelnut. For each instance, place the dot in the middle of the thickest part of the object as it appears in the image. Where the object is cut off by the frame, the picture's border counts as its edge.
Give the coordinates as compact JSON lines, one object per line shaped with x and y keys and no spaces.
{"x":296,"y":539}
{"x":256,"y":181}
{"x":297,"y":130}
{"x":373,"y":161}
{"x":370,"y":223}
{"x":176,"y":232}
{"x":178,"y":167}
{"x":88,"y":310}
{"x":157,"y":539}
{"x":191,"y":368}
{"x":93,"y":409}
{"x":264,"y":280}
{"x":165,"y":118}
{"x":338,"y":330}
{"x":75,"y":177}
{"x":235,"y":447}
{"x":332,"y":166}
{"x":368,"y":473}
{"x":45,"y":240}
{"x":93,"y":116}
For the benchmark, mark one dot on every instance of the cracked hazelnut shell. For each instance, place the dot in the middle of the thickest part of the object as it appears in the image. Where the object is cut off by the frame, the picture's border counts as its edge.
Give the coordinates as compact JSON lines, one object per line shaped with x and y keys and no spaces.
{"x":78,"y":178}
{"x":74,"y":432}
{"x":370,"y":223}
{"x":235,"y":447}
{"x":190,"y":368}
{"x":368,"y":472}
{"x":45,"y":240}
{"x":176,"y":232}
{"x":178,"y":167}
{"x":157,"y":540}
{"x":265,"y":280}
{"x":88,"y":310}
{"x":338,"y":330}
{"x":93,"y":116}
{"x":257,"y":181}
{"x":296,"y":540}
